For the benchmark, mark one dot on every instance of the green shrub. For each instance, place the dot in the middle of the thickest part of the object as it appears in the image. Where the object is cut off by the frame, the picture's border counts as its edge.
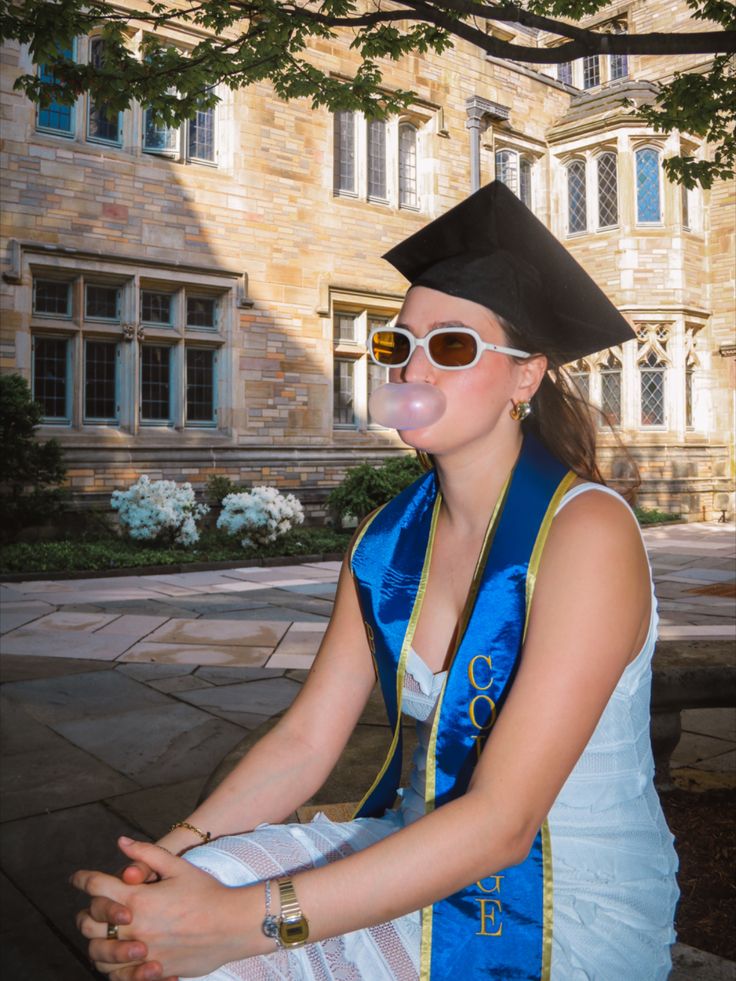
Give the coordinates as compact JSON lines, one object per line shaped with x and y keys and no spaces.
{"x":366,"y":488}
{"x":29,"y":469}
{"x":651,"y":516}
{"x":88,"y":556}
{"x":219,"y":486}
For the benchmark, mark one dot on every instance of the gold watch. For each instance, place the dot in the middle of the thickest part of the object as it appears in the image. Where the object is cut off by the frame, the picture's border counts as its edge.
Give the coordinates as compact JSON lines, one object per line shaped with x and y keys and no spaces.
{"x":293,"y":924}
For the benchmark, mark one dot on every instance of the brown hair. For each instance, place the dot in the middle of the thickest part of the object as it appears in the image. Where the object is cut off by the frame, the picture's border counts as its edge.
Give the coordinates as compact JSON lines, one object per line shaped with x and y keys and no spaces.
{"x":565,"y":421}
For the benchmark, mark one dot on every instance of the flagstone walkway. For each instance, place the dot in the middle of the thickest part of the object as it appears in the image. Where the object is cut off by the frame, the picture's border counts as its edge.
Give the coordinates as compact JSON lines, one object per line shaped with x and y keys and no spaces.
{"x":121,"y":695}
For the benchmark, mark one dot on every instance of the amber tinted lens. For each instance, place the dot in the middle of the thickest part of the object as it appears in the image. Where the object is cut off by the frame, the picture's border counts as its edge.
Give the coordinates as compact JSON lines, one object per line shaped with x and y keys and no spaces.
{"x":388,"y":347}
{"x":453,"y":349}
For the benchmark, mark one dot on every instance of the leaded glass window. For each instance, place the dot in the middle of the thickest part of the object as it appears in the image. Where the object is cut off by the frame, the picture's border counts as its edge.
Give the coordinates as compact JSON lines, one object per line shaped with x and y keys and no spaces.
{"x":202,"y":312}
{"x":580,"y":376}
{"x":611,"y":391}
{"x":156,"y":308}
{"x":158,"y":137}
{"x":507,"y":169}
{"x":408,"y":196}
{"x":591,"y":71}
{"x":345,"y":151}
{"x":652,"y":389}
{"x":200,"y":385}
{"x":201,"y":135}
{"x":343,"y":411}
{"x":155,"y":383}
{"x":102,"y":303}
{"x":607,"y":190}
{"x":525,"y":181}
{"x":577,"y":212}
{"x":100,"y":381}
{"x":102,"y":127}
{"x":564,"y":72}
{"x":51,"y":376}
{"x":52,"y":298}
{"x":647,"y":186}
{"x":56,"y":117}
{"x":377,"y":159}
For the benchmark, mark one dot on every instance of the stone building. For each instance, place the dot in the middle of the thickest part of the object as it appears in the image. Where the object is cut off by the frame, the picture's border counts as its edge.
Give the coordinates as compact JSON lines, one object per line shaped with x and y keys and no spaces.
{"x":194,"y":301}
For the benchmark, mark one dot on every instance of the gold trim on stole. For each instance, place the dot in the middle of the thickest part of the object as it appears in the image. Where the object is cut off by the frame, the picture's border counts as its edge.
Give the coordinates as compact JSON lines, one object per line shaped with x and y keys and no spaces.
{"x":406,"y":646}
{"x":531,"y":582}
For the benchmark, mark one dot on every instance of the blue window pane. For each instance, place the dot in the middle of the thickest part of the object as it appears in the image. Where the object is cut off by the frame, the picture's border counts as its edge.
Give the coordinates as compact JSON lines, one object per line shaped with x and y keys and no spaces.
{"x":55,"y":115}
{"x":101,"y":127}
{"x":591,"y":72}
{"x":647,"y":185}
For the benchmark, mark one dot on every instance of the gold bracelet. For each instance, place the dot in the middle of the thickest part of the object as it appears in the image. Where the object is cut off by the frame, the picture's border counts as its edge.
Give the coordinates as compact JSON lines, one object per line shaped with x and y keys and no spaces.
{"x":204,"y":835}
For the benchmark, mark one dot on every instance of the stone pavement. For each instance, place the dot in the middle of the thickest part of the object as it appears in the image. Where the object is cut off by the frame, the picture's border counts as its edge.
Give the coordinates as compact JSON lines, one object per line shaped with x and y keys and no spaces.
{"x":120,"y":696}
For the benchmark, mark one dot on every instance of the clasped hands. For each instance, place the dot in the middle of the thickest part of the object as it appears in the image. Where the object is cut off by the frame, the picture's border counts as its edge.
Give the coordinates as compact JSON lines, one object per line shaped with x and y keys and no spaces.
{"x":171,"y":917}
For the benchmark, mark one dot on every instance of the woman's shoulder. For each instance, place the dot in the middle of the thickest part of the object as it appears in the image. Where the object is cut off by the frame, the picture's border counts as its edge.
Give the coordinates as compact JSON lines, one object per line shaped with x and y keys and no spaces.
{"x":595,"y":518}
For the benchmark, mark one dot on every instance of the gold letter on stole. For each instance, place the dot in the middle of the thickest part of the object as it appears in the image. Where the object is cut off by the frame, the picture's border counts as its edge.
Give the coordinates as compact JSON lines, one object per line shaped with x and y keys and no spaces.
{"x":471,"y":671}
{"x":488,"y":910}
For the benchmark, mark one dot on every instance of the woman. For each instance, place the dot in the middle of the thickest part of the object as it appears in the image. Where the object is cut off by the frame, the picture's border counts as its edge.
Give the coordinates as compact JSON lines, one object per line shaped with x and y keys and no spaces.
{"x":504,"y":601}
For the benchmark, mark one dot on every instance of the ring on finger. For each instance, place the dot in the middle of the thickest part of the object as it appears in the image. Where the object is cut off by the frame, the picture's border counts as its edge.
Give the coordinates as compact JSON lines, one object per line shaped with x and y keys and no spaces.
{"x":112,"y":931}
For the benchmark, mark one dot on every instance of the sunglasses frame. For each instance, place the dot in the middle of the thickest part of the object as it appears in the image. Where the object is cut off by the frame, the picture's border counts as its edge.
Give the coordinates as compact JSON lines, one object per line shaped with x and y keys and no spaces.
{"x":481,"y":346}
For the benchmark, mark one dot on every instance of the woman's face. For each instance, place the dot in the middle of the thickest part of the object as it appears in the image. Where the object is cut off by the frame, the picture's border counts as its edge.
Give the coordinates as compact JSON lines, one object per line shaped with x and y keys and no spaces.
{"x":478,"y":398}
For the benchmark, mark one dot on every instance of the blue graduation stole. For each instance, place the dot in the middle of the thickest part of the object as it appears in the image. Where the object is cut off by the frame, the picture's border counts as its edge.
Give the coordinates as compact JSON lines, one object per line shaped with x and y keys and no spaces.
{"x":500,"y":927}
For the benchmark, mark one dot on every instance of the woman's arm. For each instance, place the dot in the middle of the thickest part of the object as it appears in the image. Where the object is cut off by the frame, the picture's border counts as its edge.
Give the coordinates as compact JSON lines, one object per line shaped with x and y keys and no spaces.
{"x":294,"y":759}
{"x":589,"y":617}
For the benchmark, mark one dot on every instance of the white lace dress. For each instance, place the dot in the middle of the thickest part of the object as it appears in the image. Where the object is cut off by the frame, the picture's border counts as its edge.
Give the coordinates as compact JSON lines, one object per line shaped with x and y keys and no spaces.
{"x":613,"y":859}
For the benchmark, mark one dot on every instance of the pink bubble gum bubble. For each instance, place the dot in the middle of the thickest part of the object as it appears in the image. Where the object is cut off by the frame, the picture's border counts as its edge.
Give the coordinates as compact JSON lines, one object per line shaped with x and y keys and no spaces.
{"x":411,"y":405}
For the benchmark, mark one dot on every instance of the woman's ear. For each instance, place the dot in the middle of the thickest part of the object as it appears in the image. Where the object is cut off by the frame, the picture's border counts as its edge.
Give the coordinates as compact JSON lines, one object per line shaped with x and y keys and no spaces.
{"x":532,"y":372}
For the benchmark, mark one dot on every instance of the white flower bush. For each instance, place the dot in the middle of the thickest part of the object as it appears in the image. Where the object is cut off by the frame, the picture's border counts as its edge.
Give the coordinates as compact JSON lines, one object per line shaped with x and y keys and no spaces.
{"x":159,"y":509}
{"x":260,"y":516}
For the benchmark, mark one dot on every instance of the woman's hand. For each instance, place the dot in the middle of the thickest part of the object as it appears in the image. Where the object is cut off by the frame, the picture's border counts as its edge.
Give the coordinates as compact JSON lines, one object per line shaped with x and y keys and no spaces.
{"x":174,"y":926}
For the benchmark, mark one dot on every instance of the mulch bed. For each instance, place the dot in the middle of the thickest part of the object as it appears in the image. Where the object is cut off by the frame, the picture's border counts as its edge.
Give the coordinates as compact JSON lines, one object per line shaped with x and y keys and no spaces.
{"x":703,"y":824}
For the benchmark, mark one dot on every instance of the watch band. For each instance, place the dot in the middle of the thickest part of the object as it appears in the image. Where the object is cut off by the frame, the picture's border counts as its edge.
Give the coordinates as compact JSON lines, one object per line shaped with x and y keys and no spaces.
{"x":293,"y":924}
{"x":270,"y":925}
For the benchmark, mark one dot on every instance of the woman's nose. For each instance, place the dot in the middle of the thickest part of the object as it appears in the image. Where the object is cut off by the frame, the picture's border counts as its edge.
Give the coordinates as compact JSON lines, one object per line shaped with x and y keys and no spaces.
{"x":419,"y":368}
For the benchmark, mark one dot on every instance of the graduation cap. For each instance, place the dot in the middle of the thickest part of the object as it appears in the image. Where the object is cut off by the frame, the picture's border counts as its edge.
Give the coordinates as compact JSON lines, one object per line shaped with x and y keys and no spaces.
{"x":491,"y":249}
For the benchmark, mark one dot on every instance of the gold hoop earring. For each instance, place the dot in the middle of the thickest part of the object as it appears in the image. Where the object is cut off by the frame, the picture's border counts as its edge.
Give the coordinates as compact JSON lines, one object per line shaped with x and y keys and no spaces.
{"x":520,"y":411}
{"x":424,"y":459}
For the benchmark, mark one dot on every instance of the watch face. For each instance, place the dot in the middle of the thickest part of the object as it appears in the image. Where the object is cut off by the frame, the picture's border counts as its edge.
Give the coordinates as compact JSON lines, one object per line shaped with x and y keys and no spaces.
{"x":270,"y":927}
{"x":294,"y":933}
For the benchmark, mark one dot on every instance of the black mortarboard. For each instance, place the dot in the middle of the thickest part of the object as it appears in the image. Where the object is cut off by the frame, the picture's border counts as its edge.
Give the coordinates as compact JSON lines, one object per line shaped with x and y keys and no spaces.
{"x":490,"y":248}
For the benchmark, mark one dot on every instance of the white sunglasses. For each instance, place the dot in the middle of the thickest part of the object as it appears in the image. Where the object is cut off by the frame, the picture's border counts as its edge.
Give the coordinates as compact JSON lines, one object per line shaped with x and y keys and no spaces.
{"x":447,"y":348}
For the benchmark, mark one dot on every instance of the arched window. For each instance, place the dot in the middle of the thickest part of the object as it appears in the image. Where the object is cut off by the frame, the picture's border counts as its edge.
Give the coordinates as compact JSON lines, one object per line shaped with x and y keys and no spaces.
{"x":377,"y":159}
{"x":577,"y":211}
{"x":611,"y":390}
{"x":408,"y":195}
{"x":607,"y":190}
{"x":579,"y":372}
{"x":648,"y":208}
